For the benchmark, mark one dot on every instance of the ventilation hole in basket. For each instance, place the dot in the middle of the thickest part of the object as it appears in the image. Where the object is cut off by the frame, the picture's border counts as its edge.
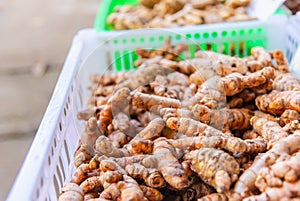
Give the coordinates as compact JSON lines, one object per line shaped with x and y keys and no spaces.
{"x":161,"y":38}
{"x":56,"y":186}
{"x":67,"y":151}
{"x":250,"y":31}
{"x":133,"y":40}
{"x":126,"y":60}
{"x":151,"y":39}
{"x":224,"y":33}
{"x":188,"y":35}
{"x":65,"y":112}
{"x":178,"y":37}
{"x":205,"y":35}
{"x":242,"y":32}
{"x":60,"y":126}
{"x":214,"y":34}
{"x":197,"y":35}
{"x":54,"y":142}
{"x":142,"y":40}
{"x":116,"y":41}
{"x":42,"y":182}
{"x":62,"y":168}
{"x":233,"y":33}
{"x":124,"y":41}
{"x":52,"y":151}
{"x":49,"y":160}
{"x":67,"y":105}
{"x":259,"y":30}
{"x":37,"y":193}
{"x":118,"y":61}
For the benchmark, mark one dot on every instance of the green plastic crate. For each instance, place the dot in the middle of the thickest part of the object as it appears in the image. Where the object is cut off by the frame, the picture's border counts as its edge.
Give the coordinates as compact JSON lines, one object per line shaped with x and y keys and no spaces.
{"x":108,"y":6}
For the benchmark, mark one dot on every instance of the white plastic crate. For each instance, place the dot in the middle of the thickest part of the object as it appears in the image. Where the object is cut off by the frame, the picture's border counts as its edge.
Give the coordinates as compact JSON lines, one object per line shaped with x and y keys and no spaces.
{"x":293,"y":39}
{"x":48,"y":164}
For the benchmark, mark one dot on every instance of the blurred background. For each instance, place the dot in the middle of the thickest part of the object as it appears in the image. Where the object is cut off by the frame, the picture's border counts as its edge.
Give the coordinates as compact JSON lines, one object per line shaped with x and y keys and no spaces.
{"x":35,"y":37}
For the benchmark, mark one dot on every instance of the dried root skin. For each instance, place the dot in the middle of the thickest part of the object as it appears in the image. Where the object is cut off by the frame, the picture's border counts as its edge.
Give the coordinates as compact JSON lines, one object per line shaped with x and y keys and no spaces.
{"x":246,"y":181}
{"x":278,"y":102}
{"x":286,"y":82}
{"x":288,"y":116}
{"x":153,"y":129}
{"x":80,"y":173}
{"x":281,"y":61}
{"x":152,"y":102}
{"x":190,"y":127}
{"x":269,"y":130}
{"x":142,"y":76}
{"x":288,"y":169}
{"x":235,"y":82}
{"x":130,"y":189}
{"x":151,"y":176}
{"x":215,"y":167}
{"x":235,"y":119}
{"x":71,"y":192}
{"x":83,"y":154}
{"x":287,"y":191}
{"x":104,"y":146}
{"x":233,"y":144}
{"x":91,"y":133}
{"x":166,"y":113}
{"x":112,"y":192}
{"x":169,"y":165}
{"x":151,"y":194}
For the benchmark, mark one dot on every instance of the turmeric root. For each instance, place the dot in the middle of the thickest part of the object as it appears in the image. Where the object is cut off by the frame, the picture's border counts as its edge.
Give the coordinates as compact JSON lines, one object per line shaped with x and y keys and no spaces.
{"x":288,"y":169}
{"x":111,"y":192}
{"x":277,"y":102}
{"x":71,"y":191}
{"x":235,"y":82}
{"x":233,"y":144}
{"x":286,"y":82}
{"x":153,"y":103}
{"x":151,"y":193}
{"x":151,"y":176}
{"x":91,"y":133}
{"x":215,"y":167}
{"x":190,"y":127}
{"x":80,"y":173}
{"x":269,"y":130}
{"x":148,"y":75}
{"x":237,"y":119}
{"x":164,"y":159}
{"x":281,"y":61}
{"x":118,"y":138}
{"x":285,"y":192}
{"x":105,"y":118}
{"x":166,"y":113}
{"x":245,"y":183}
{"x":196,"y":190}
{"x":262,"y":59}
{"x":137,"y":146}
{"x":83,"y":154}
{"x":130,"y":189}
{"x":288,"y":116}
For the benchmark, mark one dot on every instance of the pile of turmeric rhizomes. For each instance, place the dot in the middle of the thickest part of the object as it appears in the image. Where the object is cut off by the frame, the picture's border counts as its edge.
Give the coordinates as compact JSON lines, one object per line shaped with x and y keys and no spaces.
{"x":214,"y":127}
{"x":174,"y":13}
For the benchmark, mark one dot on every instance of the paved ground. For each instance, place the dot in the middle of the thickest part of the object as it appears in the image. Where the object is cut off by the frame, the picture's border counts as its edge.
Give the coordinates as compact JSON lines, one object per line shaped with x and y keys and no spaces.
{"x":35,"y":37}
